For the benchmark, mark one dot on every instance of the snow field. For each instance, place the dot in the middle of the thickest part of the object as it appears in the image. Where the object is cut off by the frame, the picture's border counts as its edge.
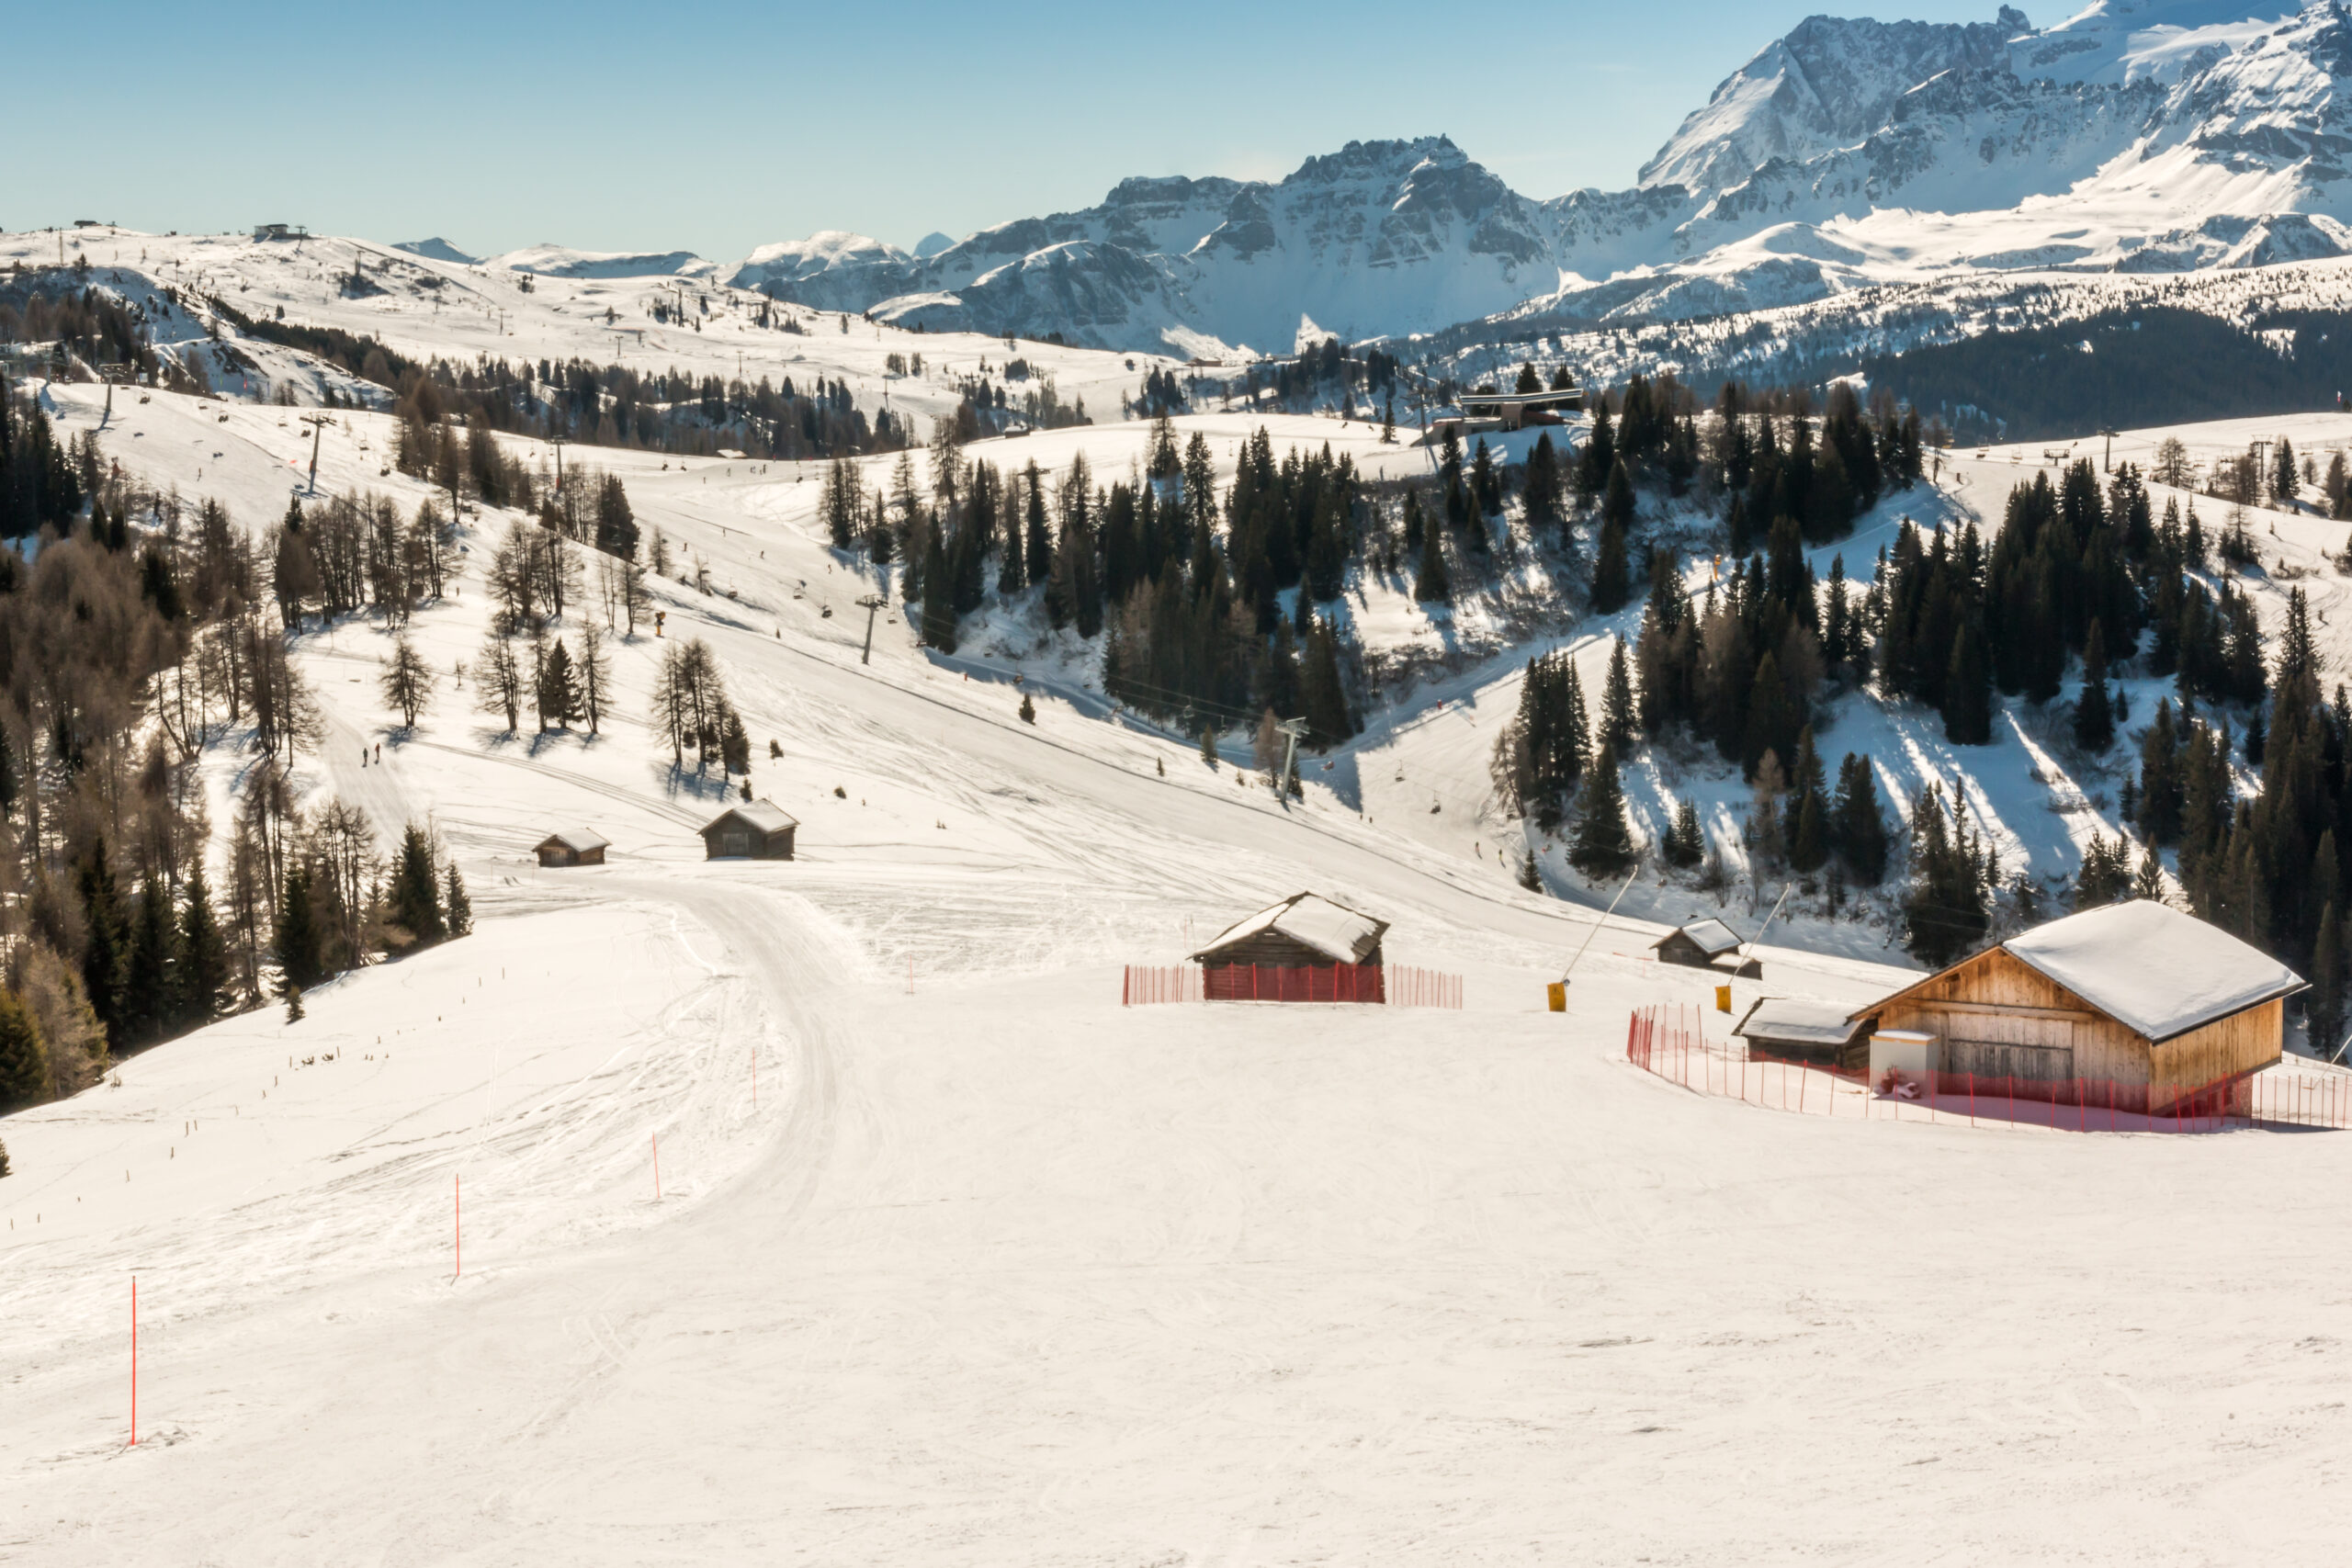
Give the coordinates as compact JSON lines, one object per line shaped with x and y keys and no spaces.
{"x":998,"y":1272}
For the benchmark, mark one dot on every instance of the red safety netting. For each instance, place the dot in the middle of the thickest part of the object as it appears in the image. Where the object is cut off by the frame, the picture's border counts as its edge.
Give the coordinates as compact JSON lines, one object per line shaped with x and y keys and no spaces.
{"x":1392,"y":984}
{"x":1672,"y":1042}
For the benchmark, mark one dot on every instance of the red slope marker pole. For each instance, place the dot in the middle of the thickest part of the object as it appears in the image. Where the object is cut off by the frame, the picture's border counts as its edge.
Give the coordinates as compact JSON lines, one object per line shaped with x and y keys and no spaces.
{"x":134,"y":1360}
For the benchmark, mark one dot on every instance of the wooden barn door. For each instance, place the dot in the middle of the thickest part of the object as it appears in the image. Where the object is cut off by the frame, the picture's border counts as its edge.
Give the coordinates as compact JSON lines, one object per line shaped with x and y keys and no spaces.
{"x":2023,"y":1050}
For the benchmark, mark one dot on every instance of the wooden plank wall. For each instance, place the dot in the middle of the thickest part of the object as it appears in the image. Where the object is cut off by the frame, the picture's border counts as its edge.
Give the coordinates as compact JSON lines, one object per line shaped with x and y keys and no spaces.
{"x":1999,"y":1002}
{"x":2229,"y":1048}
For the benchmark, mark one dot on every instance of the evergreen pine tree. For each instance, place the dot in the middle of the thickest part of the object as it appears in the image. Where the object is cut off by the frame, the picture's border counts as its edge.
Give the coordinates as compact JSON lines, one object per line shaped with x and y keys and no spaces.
{"x":1860,"y":832}
{"x":24,"y":1060}
{"x":1603,"y":846}
{"x":416,"y":894}
{"x":1610,"y":584}
{"x":1617,"y":702}
{"x":559,"y":687}
{"x":300,"y":952}
{"x":1208,"y":745}
{"x":2094,"y":712}
{"x":147,"y":967}
{"x":1686,"y":842}
{"x":456,"y":909}
{"x":1968,"y":689}
{"x":1529,"y":877}
{"x":2326,"y":1005}
{"x":1944,"y":913}
{"x":938,"y":597}
{"x":1038,"y":544}
{"x":203,"y":992}
{"x":1600,"y":454}
{"x":1810,"y":830}
{"x":1011,"y":575}
{"x":1321,"y":693}
{"x":104,"y":938}
{"x":1028,"y":709}
{"x":1432,"y":585}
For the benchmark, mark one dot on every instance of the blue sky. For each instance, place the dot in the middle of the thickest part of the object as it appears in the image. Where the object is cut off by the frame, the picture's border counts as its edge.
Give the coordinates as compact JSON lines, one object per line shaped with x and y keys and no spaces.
{"x":618,"y":126}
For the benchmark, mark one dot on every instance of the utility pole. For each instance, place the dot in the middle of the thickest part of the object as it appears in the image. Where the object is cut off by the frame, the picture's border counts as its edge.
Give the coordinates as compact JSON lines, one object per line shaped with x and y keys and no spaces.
{"x":870,"y":605}
{"x":1295,"y":728}
{"x":318,"y":423}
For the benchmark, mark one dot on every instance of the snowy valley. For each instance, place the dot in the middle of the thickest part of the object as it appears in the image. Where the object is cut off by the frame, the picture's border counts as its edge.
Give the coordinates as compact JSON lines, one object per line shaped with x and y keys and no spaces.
{"x":1930,"y":519}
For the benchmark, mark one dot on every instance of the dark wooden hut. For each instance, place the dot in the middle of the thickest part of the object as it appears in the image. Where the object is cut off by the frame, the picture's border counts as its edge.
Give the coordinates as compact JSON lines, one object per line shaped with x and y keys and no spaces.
{"x":757,"y":829}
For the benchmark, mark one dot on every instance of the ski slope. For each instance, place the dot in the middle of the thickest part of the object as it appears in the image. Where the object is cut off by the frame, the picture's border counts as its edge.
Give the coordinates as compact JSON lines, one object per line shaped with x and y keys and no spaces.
{"x":996,"y":1271}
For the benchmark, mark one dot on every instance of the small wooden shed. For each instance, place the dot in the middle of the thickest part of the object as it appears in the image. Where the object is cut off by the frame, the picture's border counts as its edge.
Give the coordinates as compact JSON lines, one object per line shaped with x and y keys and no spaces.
{"x":1706,"y":944}
{"x":1792,"y":1029}
{"x":572,"y":846}
{"x":758,"y":829}
{"x":2140,"y":997}
{"x":1305,"y":948}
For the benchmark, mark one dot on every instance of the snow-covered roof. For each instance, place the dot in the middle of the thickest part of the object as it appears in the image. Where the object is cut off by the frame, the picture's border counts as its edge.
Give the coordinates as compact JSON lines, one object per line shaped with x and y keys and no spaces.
{"x":1713,"y":937}
{"x":1312,"y":920}
{"x":763,"y":814}
{"x":2157,"y":971}
{"x":1798,"y":1022}
{"x":2149,"y":966}
{"x":579,"y":840}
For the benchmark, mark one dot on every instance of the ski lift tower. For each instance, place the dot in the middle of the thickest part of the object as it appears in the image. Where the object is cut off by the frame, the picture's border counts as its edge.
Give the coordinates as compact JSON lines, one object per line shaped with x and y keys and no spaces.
{"x":112,"y":373}
{"x":870,"y":605}
{"x":2107,"y":461}
{"x":558,"y":443}
{"x":1296,"y":729}
{"x":318,"y":423}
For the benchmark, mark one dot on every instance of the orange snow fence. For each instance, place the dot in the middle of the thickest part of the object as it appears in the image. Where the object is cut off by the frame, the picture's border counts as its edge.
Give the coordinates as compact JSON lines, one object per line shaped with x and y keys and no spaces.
{"x":1392,"y":984}
{"x":1670,"y":1041}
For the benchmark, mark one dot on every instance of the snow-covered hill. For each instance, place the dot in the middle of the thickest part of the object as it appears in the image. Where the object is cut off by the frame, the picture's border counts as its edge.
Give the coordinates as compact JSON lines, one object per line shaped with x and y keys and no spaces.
{"x":949,"y":1258}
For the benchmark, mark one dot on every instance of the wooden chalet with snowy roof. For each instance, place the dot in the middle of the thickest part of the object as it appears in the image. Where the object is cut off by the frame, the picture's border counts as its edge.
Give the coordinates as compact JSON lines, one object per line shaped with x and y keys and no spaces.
{"x":1791,"y":1029}
{"x":571,"y":846}
{"x":2140,"y":1003}
{"x":1304,"y":949}
{"x":757,"y":829}
{"x":1707,"y":944}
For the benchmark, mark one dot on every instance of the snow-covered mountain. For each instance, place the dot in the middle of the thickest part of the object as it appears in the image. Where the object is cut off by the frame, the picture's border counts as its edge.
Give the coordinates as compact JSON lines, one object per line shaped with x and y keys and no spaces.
{"x":1381,"y":237}
{"x":561,"y":261}
{"x":2136,"y":136}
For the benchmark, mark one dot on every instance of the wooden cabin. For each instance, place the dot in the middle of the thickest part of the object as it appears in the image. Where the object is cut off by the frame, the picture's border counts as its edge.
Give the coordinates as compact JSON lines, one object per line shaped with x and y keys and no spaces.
{"x":757,"y":829}
{"x":1707,"y":944}
{"x":1789,"y":1029}
{"x":572,"y":846}
{"x":1305,"y":948}
{"x":2156,"y":1002}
